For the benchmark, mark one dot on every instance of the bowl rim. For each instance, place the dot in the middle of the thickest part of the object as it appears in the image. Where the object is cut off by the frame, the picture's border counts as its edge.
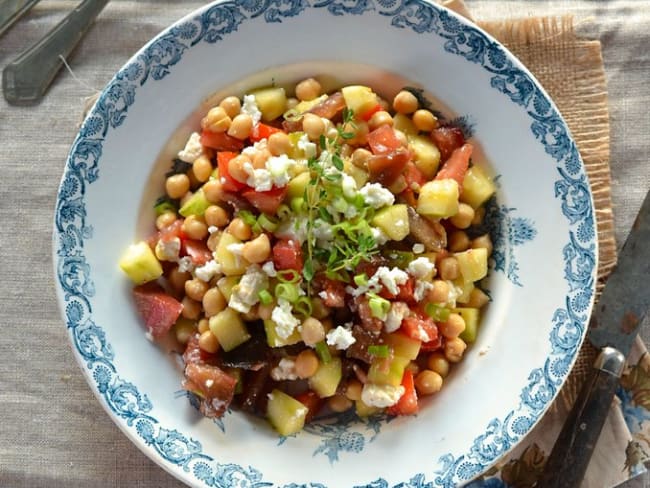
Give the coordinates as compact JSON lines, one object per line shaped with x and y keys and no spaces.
{"x":449,"y":24}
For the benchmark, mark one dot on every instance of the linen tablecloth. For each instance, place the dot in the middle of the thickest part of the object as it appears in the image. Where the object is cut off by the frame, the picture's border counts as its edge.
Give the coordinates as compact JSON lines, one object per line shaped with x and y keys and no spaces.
{"x":53,"y":433}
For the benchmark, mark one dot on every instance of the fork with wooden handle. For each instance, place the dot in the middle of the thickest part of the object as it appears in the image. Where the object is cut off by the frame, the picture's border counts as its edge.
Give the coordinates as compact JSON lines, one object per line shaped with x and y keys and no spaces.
{"x":26,"y":79}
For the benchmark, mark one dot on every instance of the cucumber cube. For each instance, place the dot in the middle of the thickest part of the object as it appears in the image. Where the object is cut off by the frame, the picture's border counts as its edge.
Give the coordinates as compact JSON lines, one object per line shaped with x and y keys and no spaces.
{"x":427,"y":155}
{"x":297,"y":185}
{"x":403,"y":123}
{"x":364,"y":410}
{"x":471,"y":316}
{"x":472,"y":264}
{"x":274,"y":340}
{"x":402,"y":345}
{"x":229,"y":328}
{"x":195,"y":205}
{"x":393,"y":221}
{"x":477,"y":187}
{"x":140,"y":263}
{"x":231,"y":263}
{"x":327,"y":377}
{"x":226,"y":284}
{"x":438,"y":199}
{"x":387,"y":371}
{"x":286,"y":414}
{"x":271,"y":101}
{"x":360,"y":99}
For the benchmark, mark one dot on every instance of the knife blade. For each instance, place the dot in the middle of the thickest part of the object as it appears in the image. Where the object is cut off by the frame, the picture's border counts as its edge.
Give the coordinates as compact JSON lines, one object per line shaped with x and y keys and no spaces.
{"x":12,"y":10}
{"x":614,"y":325}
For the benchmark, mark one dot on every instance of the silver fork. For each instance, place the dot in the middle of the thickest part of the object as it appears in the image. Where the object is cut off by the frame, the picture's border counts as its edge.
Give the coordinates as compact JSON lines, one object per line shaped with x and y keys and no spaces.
{"x":26,"y":79}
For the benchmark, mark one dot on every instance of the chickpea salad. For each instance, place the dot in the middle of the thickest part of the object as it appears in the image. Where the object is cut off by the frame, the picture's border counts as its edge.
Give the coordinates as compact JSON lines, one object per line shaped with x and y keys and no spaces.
{"x":312,"y":254}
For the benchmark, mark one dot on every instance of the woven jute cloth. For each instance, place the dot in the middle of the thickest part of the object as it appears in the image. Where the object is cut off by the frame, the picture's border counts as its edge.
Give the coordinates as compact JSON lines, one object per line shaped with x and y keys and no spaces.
{"x":571,"y":70}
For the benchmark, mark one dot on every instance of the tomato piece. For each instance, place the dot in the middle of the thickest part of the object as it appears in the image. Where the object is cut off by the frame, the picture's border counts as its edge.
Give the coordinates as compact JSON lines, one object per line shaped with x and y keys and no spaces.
{"x":408,"y":402}
{"x":404,"y":292}
{"x":408,"y":196}
{"x":262,"y":131}
{"x":413,"y":175}
{"x":216,"y":387}
{"x":221,"y":141}
{"x":266,"y":201}
{"x":175,"y":229}
{"x":456,"y":166}
{"x":228,"y":182}
{"x":287,"y":254}
{"x":385,"y":168}
{"x":447,"y":138}
{"x":431,"y":346}
{"x":197,"y":251}
{"x":421,"y":328}
{"x":312,"y":401}
{"x":158,"y":310}
{"x":334,"y":293}
{"x":367,"y":115}
{"x":383,"y":140}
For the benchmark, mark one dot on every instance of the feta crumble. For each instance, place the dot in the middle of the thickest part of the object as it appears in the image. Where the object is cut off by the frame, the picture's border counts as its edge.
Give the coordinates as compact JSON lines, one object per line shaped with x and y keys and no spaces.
{"x":381,"y":396}
{"x":391,"y":278}
{"x":418,"y":248}
{"x":208,"y":271}
{"x":379,"y":236}
{"x":168,"y":250}
{"x":340,"y":337}
{"x":250,"y":107}
{"x":245,"y":294}
{"x":285,"y":370}
{"x":348,"y":185}
{"x":376,"y":195}
{"x":212,"y":229}
{"x":421,"y":289}
{"x":306,"y":146}
{"x":269,"y":269}
{"x":278,"y":167}
{"x":260,"y":179}
{"x":421,"y":268}
{"x":235,"y":248}
{"x":397,"y":312}
{"x":285,"y":322}
{"x":193,"y":149}
{"x":185,"y":264}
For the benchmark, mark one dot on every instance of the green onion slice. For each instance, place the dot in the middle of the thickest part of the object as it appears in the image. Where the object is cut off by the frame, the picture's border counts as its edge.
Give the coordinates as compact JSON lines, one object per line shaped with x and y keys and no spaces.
{"x":379,"y":350}
{"x":323,"y":352}
{"x":437,"y":312}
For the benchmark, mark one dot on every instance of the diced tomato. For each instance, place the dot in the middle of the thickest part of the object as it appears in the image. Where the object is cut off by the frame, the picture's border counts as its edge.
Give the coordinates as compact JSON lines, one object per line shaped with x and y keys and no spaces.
{"x":367,"y":115}
{"x":408,"y":196}
{"x":158,"y":310}
{"x":404,"y":292}
{"x":221,"y":141}
{"x":447,"y":138}
{"x":262,"y":131}
{"x":287,"y":254}
{"x":228,"y":182}
{"x":408,"y":402}
{"x":383,"y":140}
{"x":216,"y":387}
{"x":385,"y":168}
{"x":312,"y":401}
{"x":456,"y":166}
{"x":194,"y":354}
{"x":334,"y":293}
{"x":431,"y":346}
{"x":174,"y":229}
{"x":413,"y":175}
{"x":420,"y":327}
{"x":266,"y":201}
{"x":197,"y":251}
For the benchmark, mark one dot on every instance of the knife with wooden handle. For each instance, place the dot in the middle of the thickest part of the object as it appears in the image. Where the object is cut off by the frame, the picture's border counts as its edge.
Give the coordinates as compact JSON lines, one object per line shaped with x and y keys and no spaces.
{"x":613,"y":328}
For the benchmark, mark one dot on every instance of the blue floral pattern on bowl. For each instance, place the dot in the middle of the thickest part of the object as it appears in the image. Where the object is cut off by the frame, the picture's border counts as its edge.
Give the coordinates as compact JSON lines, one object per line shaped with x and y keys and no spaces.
{"x":212,"y":25}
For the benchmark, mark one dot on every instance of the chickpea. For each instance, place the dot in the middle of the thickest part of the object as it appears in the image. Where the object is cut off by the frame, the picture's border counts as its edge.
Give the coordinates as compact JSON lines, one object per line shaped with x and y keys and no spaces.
{"x":260,"y":158}
{"x":215,"y":216}
{"x":213,"y":302}
{"x":203,"y":325}
{"x":463,"y":219}
{"x":165,"y":219}
{"x":292,"y":102}
{"x":380,"y":118}
{"x":216,"y":120}
{"x":213,"y":191}
{"x":241,"y":126}
{"x":202,"y":168}
{"x":360,"y":157}
{"x":191,"y":308}
{"x":428,"y":382}
{"x":438,"y":363}
{"x":318,"y":309}
{"x":424,"y":120}
{"x":440,"y":292}
{"x":208,"y":342}
{"x":448,"y":268}
{"x":453,"y":327}
{"x":306,"y":364}
{"x":477,"y":298}
{"x":458,"y":241}
{"x":194,"y":227}
{"x":454,"y":349}
{"x":184,"y":330}
{"x":178,"y":278}
{"x":231,"y":105}
{"x":339,"y":403}
{"x":353,"y":390}
{"x":401,"y":137}
{"x":482,"y":241}
{"x":308,"y":89}
{"x":240,"y":229}
{"x":187,"y":196}
{"x":405,"y":102}
{"x":213,"y":241}
{"x":177,"y":186}
{"x":265,"y":311}
{"x":195,"y":289}
{"x":312,"y":331}
{"x":313,"y":126}
{"x":279,"y":143}
{"x":237,"y":167}
{"x":399,"y":185}
{"x":413,"y":368}
{"x":251,"y":315}
{"x":258,"y":250}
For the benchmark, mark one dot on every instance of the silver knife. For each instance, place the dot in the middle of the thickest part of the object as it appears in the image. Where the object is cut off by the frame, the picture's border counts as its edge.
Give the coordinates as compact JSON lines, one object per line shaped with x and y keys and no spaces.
{"x":12,"y":10}
{"x":613,"y":328}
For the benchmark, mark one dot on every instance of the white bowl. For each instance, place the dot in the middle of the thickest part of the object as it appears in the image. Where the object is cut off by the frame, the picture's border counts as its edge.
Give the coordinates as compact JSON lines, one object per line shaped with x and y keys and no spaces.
{"x":542,"y":272}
